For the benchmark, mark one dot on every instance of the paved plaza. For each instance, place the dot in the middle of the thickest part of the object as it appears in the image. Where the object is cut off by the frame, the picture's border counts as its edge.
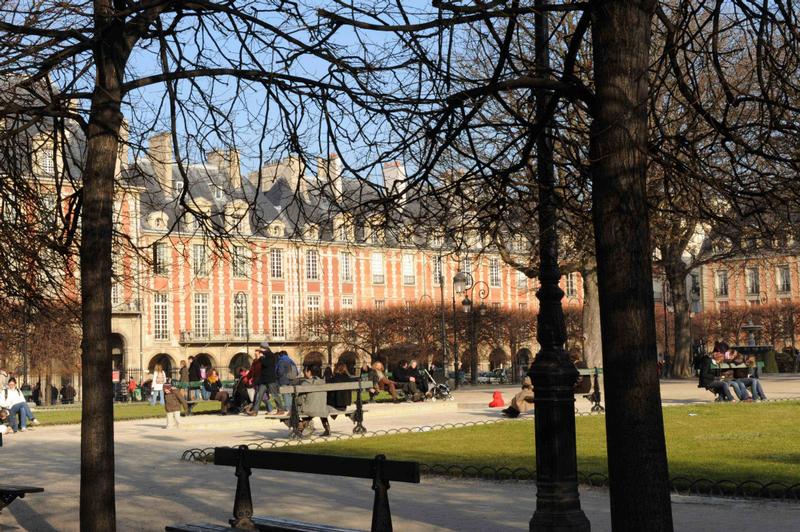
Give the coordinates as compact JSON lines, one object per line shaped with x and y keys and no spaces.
{"x":155,"y":488}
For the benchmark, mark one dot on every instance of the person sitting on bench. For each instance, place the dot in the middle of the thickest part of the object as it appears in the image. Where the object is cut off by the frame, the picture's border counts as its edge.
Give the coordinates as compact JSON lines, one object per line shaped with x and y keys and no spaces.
{"x":710,"y":381}
{"x":213,"y":386}
{"x":13,"y":400}
{"x":381,"y":382}
{"x":343,"y":398}
{"x":313,"y":404}
{"x":407,"y":381}
{"x":748,"y":376}
{"x":523,"y":401}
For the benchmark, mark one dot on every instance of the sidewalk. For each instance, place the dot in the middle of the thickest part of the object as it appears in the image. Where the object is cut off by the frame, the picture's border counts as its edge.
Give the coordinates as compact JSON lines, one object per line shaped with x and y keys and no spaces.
{"x":155,"y":488}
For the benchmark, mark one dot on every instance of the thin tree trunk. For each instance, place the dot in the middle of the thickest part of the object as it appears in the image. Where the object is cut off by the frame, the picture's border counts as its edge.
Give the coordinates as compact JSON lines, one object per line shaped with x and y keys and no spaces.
{"x":97,"y":500}
{"x":637,"y":459}
{"x":592,"y":338}
{"x":681,"y":358}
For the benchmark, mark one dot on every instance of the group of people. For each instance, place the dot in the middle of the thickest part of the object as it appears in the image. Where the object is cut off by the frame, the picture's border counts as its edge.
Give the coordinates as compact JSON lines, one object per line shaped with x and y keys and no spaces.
{"x":14,"y":408}
{"x":408,"y":377}
{"x":738,"y":379}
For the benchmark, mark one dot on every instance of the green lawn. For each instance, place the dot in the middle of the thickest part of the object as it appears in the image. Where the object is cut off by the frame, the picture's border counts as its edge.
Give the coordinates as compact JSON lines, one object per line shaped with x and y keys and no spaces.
{"x":122,"y":412}
{"x":716,"y":441}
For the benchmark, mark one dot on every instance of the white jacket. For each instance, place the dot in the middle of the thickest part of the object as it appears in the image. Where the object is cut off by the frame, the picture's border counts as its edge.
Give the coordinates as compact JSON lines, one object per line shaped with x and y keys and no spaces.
{"x":9,"y":397}
{"x":159,"y":375}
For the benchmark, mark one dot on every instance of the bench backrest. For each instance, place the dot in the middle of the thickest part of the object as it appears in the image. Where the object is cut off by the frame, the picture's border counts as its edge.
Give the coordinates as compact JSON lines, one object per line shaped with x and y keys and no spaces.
{"x":340,"y":466}
{"x":332,"y":387}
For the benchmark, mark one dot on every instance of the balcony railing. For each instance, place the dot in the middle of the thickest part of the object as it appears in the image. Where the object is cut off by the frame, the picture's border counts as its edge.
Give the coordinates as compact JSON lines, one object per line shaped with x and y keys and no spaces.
{"x":219,"y":336}
{"x":126,"y":306}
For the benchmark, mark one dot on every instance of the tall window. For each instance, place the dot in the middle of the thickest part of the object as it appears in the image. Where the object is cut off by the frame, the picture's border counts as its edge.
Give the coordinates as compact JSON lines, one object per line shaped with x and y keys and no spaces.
{"x":276,"y":263}
{"x":380,"y":303}
{"x":240,"y":317}
{"x":346,"y":266}
{"x":312,"y":306}
{"x":200,"y":326}
{"x":116,"y":294}
{"x":347,"y":302}
{"x":240,"y":263}
{"x":523,"y":306}
{"x":378,"y":273}
{"x":721,"y":283}
{"x":752,"y":282}
{"x":160,"y":317}
{"x":409,"y":275}
{"x":437,"y":271}
{"x":199,"y":260}
{"x":494,"y":273}
{"x":522,"y":281}
{"x":277,"y":320}
{"x":312,"y":264}
{"x":466,"y":265}
{"x":160,"y":258}
{"x":784,"y":279}
{"x":570,"y":285}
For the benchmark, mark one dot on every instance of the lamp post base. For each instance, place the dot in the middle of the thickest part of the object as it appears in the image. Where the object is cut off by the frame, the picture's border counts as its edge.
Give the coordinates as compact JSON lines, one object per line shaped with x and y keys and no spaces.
{"x":568,"y":521}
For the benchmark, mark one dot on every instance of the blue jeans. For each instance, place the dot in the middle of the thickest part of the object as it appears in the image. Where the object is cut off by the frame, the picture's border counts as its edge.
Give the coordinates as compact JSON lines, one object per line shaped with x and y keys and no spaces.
{"x":755,"y":387}
{"x":740,"y":389}
{"x":273,"y":388}
{"x":722,"y":389}
{"x":25,"y":414}
{"x":287,"y":401}
{"x":261,"y":389}
{"x":160,"y":394}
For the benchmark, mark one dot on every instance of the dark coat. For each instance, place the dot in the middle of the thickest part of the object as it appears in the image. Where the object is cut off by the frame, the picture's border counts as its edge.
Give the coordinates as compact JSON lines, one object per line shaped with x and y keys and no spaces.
{"x":402,"y":374}
{"x":343,"y":398}
{"x":194,"y":371}
{"x":212,"y":388}
{"x":707,"y":375}
{"x":268,"y":373}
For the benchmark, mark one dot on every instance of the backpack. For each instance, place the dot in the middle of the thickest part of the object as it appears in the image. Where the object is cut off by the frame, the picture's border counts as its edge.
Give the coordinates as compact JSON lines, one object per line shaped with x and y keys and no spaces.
{"x":293,"y":374}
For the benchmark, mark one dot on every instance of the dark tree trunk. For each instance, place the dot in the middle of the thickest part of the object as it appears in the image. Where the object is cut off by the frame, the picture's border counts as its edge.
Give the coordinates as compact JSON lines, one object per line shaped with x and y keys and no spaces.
{"x":637,"y":459}
{"x":681,"y":358}
{"x":97,"y":501}
{"x":592,"y":338}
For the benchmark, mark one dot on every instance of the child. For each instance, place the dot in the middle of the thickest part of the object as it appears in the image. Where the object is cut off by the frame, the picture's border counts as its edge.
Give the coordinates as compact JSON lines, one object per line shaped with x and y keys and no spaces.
{"x":173,"y":400}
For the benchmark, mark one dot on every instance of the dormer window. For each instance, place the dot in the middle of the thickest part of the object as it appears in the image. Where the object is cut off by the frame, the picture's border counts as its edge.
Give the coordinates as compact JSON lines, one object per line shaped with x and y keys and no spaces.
{"x":178,"y":187}
{"x":218,"y":195}
{"x":158,"y":221}
{"x":276,"y":229}
{"x":312,"y":232}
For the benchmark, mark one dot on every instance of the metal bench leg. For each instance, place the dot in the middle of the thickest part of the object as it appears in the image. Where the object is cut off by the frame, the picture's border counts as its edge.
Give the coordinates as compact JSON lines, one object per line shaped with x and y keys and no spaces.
{"x":358,"y":415}
{"x":381,"y":515}
{"x":294,"y":419}
{"x":243,"y":504}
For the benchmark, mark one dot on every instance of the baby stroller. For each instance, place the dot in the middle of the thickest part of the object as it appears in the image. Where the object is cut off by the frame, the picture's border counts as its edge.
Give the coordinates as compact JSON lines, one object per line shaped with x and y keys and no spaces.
{"x":437,"y":391}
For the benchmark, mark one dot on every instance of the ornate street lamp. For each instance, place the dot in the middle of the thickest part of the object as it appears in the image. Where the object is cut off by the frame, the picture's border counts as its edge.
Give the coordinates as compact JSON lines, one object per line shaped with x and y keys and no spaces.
{"x":469,"y":308}
{"x":461,"y":282}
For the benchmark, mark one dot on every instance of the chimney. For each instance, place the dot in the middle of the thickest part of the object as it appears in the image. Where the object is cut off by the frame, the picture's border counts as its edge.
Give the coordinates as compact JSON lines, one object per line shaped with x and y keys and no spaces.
{"x":122,"y":148}
{"x":227,"y":162}
{"x":160,"y":154}
{"x":291,"y":169}
{"x":329,"y":175}
{"x":394,"y":177}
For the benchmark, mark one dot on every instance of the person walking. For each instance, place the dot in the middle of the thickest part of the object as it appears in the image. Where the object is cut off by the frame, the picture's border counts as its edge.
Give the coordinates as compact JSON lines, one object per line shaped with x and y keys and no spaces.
{"x":257,"y":373}
{"x":173,"y":402}
{"x":287,"y":373}
{"x":159,"y":380}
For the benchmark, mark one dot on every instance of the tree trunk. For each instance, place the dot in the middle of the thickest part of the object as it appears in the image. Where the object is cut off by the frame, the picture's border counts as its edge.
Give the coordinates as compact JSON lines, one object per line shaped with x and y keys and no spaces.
{"x":637,"y":459}
{"x":97,"y":501}
{"x":592,"y":338}
{"x":682,"y":357}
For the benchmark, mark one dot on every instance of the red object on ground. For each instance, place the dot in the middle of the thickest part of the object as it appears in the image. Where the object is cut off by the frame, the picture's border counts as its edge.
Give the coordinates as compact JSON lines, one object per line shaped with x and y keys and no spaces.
{"x":497,"y":400}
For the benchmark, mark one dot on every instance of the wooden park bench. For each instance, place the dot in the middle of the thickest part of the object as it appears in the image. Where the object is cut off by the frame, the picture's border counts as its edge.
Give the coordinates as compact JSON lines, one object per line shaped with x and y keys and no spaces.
{"x":9,"y":494}
{"x":356,"y":415}
{"x":379,"y":469}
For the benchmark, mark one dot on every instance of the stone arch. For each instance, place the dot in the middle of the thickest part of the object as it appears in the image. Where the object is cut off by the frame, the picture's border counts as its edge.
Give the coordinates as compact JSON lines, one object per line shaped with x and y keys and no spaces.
{"x":165,"y":360}
{"x":524,"y":357}
{"x":207,"y":362}
{"x":239,"y":361}
{"x":118,"y":348}
{"x":391,"y":356}
{"x":497,"y":358}
{"x":313,"y":358}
